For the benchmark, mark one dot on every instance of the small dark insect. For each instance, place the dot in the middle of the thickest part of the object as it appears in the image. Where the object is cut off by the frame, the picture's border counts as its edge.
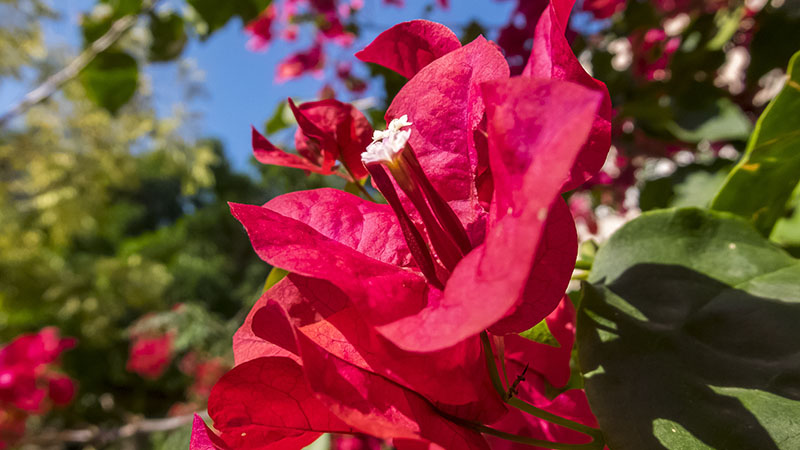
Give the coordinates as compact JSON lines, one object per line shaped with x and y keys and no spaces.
{"x":512,"y":391}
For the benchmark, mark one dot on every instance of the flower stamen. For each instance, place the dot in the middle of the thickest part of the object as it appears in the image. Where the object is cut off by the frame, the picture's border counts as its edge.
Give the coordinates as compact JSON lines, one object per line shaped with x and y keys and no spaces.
{"x":387,"y":144}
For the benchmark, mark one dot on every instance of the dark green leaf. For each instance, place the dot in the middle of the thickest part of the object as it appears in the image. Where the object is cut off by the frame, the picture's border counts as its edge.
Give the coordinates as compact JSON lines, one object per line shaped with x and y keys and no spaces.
{"x":92,"y":29}
{"x":111,"y":79}
{"x":775,"y":40}
{"x":723,"y":121}
{"x":762,"y":182}
{"x":124,"y":7}
{"x":169,"y":36}
{"x":692,"y":185}
{"x":688,"y":335}
{"x":472,"y":31}
{"x":216,"y":13}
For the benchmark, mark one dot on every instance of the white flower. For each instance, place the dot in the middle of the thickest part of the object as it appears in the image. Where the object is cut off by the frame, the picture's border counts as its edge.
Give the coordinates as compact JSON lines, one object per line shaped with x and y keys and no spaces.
{"x":388,"y":143}
{"x":394,"y":126}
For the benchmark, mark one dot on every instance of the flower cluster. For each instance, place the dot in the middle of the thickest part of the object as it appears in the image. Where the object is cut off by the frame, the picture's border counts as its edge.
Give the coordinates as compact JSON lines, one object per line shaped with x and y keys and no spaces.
{"x":29,"y":381}
{"x":396,"y":321}
{"x":329,"y":19}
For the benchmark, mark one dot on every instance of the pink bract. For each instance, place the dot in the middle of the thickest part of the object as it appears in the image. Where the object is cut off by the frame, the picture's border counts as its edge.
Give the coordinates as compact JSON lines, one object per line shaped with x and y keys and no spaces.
{"x":260,"y":30}
{"x":360,"y":337}
{"x":409,"y":46}
{"x":150,"y":355}
{"x":536,"y":129}
{"x":29,"y":381}
{"x":300,"y":63}
{"x":329,"y":130}
{"x":552,"y":58}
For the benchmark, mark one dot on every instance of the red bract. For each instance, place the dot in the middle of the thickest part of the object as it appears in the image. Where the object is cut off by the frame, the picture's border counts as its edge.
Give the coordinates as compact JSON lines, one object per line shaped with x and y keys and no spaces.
{"x":653,"y":51}
{"x":409,"y":46}
{"x":260,"y":30}
{"x":322,"y":391}
{"x":535,"y":130}
{"x":344,"y":442}
{"x":552,"y":58}
{"x":297,"y":64}
{"x":150,"y":354}
{"x":329,"y":130}
{"x":35,"y":349}
{"x":351,"y":82}
{"x":516,"y":35}
{"x":375,"y":329}
{"x":28,"y":382}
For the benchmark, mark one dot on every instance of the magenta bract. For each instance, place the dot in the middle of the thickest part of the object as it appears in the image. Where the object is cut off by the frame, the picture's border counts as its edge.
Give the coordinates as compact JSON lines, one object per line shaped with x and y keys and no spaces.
{"x":409,"y":46}
{"x":329,"y":130}
{"x":358,"y":338}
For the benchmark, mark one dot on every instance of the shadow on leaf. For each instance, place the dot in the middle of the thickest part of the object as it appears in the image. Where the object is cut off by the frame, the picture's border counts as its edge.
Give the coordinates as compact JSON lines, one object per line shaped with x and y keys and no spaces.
{"x":676,"y":359}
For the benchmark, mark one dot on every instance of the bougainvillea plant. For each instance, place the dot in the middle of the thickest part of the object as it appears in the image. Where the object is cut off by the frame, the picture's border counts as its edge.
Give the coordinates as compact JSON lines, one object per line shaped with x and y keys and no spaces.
{"x":30,"y":383}
{"x":397,"y":321}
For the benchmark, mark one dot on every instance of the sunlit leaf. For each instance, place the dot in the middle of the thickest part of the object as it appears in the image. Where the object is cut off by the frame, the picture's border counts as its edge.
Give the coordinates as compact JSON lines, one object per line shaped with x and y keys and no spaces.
{"x":688,"y":335}
{"x":762,"y":182}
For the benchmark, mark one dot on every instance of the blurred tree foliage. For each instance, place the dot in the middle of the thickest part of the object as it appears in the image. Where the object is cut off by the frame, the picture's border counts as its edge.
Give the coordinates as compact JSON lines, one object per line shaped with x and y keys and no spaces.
{"x":106,"y":218}
{"x":20,"y":35}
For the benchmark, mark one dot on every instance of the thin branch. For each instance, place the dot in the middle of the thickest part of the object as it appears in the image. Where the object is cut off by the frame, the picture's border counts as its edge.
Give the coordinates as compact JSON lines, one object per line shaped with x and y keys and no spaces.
{"x":99,"y":436}
{"x":55,"y":81}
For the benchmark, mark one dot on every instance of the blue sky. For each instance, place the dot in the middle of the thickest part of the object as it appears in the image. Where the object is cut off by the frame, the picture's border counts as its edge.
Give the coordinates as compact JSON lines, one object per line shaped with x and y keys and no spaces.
{"x":240,"y":83}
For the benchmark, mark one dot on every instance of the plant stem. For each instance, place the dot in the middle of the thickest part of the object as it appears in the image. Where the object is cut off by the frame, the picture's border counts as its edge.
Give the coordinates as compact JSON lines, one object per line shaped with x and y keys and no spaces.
{"x":583,"y":265}
{"x":580,"y":276}
{"x":596,"y":434}
{"x":531,"y":441}
{"x":480,"y":428}
{"x":492,"y":366}
{"x":102,"y":436}
{"x":550,"y":417}
{"x":356,"y":182}
{"x":55,"y":81}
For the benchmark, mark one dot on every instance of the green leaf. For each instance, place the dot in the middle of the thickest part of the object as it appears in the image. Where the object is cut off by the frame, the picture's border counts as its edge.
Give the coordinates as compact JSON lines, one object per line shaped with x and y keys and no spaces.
{"x":691,"y":185}
{"x":727,"y":22}
{"x":275,"y":275}
{"x":216,"y":14}
{"x":688,"y":331}
{"x":787,"y":231}
{"x":169,"y":36}
{"x":760,"y":185}
{"x":541,"y":333}
{"x":281,"y":118}
{"x":93,"y":27}
{"x":124,"y":7}
{"x":721,"y":121}
{"x":110,"y":79}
